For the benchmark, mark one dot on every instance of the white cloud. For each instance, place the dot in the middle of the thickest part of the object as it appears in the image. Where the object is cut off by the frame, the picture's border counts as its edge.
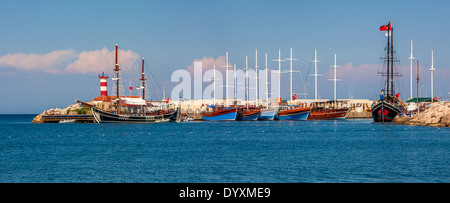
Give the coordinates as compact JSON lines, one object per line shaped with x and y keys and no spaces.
{"x":102,"y":60}
{"x":69,"y":61}
{"x":49,"y":62}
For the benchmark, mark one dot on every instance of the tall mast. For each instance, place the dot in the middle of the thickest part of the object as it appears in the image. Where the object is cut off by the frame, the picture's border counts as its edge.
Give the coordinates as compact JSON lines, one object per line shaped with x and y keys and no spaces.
{"x":335,"y":66}
{"x":117,"y":69}
{"x":392,"y":61}
{"x":256,"y":77}
{"x":226,"y":73}
{"x":226,"y":82}
{"x":267,"y":85}
{"x":279,"y":72}
{"x":417,"y":87}
{"x":290,"y":59}
{"x":235,"y":102}
{"x":247,"y":81}
{"x":411,"y":58}
{"x":315,"y":74}
{"x":143,"y":80}
{"x":388,"y":83}
{"x":432,"y":75}
{"x":214,"y":85}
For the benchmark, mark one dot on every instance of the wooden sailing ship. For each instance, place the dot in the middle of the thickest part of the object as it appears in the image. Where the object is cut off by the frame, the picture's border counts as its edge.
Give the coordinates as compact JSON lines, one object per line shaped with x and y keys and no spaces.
{"x":387,"y":107}
{"x":322,"y":110}
{"x":129,"y":109}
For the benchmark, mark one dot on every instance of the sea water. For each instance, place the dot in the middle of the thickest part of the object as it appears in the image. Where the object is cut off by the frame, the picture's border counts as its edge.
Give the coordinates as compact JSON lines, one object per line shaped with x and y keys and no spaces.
{"x":352,"y":150}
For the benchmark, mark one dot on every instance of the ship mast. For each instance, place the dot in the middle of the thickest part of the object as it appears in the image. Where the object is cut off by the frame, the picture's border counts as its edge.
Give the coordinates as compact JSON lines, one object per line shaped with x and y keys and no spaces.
{"x":335,"y":66}
{"x":279,"y":72}
{"x":247,"y":81}
{"x":267,"y":84}
{"x":226,"y":75}
{"x":432,"y":75}
{"x":392,"y":62}
{"x":315,"y":74}
{"x":418,"y":109}
{"x":143,"y":80}
{"x":411,"y":58}
{"x":256,"y":77}
{"x":214,"y":85}
{"x":290,"y":59}
{"x":117,"y":69}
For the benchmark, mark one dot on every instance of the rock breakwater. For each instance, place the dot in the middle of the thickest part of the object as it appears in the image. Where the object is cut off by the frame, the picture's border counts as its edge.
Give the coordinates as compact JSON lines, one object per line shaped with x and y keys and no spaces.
{"x":438,"y":115}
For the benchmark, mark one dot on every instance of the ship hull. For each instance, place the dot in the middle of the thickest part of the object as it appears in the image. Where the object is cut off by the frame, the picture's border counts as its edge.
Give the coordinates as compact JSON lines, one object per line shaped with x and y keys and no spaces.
{"x":384,"y":112}
{"x":250,"y":116}
{"x":329,"y":113}
{"x":268,"y":114}
{"x":106,"y":117}
{"x":220,"y":115}
{"x":295,"y":114}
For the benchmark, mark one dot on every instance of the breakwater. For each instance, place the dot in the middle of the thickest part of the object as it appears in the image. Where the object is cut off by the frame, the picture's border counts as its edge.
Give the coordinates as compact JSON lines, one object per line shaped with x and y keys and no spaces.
{"x":72,"y":112}
{"x":438,"y":115}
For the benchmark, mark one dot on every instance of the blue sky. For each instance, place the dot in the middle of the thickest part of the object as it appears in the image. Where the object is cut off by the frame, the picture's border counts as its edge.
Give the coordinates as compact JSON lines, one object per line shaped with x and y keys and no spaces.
{"x":45,"y":45}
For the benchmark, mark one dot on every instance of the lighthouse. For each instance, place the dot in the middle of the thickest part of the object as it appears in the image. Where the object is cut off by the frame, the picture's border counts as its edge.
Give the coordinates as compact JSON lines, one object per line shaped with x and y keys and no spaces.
{"x":103,"y":84}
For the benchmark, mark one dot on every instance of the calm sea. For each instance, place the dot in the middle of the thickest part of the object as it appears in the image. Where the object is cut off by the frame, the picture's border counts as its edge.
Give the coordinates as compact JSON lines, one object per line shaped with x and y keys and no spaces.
{"x":263,"y":151}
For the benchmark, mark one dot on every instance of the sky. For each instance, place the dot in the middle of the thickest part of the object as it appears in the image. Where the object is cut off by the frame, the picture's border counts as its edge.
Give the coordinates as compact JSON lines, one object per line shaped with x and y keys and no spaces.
{"x":51,"y":51}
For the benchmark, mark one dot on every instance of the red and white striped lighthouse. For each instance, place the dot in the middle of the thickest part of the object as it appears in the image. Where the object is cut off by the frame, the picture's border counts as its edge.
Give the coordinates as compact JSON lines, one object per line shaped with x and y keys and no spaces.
{"x":103,"y":84}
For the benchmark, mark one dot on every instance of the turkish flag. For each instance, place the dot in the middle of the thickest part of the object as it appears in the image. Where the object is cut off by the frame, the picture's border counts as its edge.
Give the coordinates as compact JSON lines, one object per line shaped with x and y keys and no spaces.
{"x":131,"y":87}
{"x":386,"y":27}
{"x":294,"y":97}
{"x":167,"y":100}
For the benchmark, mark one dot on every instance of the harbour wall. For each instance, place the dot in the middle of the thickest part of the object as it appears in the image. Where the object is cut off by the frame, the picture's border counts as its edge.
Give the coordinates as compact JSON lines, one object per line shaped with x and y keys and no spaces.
{"x":438,"y":115}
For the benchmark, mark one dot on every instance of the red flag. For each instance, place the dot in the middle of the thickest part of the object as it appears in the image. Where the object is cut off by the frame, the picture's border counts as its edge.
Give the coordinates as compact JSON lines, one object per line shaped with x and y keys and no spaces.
{"x":435,"y":98}
{"x":167,"y":100}
{"x":294,"y":97}
{"x":397,"y":95}
{"x":131,"y":88}
{"x":386,"y":27}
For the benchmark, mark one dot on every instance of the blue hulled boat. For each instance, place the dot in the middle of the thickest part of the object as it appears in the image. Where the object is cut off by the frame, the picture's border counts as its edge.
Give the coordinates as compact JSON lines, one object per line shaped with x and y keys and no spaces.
{"x":220,"y":114}
{"x":292,"y":113}
{"x":268,"y":114}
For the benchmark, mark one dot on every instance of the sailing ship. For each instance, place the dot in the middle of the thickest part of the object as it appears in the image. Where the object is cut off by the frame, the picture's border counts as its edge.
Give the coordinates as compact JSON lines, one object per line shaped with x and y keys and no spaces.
{"x":292,"y":112}
{"x":220,"y":113}
{"x":325,"y":112}
{"x":268,"y":112}
{"x":129,"y":108}
{"x":248,"y":113}
{"x":387,"y":106}
{"x":328,"y":113}
{"x":285,"y":111}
